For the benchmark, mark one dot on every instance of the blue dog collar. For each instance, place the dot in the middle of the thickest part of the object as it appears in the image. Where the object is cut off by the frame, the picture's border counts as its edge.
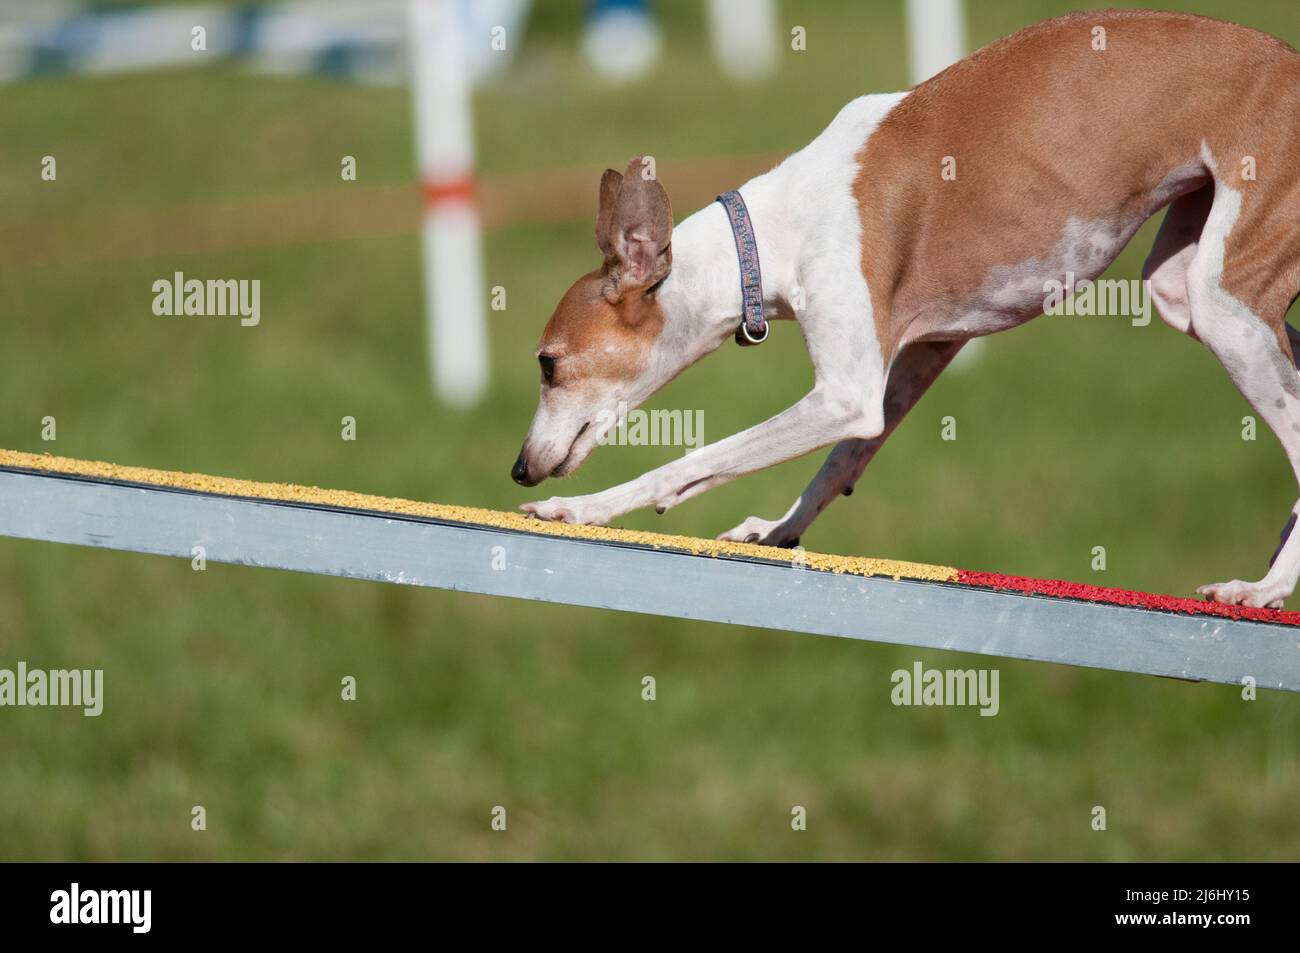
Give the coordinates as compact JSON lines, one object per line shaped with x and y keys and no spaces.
{"x":753,"y":324}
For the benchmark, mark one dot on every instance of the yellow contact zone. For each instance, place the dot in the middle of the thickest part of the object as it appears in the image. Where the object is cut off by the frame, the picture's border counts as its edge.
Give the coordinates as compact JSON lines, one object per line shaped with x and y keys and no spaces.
{"x":291,"y":493}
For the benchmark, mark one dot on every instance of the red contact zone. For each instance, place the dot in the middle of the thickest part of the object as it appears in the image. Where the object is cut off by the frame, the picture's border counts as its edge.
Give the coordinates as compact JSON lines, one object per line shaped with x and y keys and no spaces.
{"x":1123,"y":597}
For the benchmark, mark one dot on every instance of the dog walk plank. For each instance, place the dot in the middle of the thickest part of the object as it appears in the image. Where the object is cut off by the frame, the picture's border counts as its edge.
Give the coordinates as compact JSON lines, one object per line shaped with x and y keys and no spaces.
{"x":355,"y":535}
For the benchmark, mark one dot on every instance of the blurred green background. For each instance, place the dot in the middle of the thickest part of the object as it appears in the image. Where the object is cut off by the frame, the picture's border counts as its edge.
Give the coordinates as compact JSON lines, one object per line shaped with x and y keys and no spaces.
{"x":222,"y":687}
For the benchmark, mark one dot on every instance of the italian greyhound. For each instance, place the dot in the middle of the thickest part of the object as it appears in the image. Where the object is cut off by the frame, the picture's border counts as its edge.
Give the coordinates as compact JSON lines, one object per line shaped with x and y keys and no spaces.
{"x":919,"y":220}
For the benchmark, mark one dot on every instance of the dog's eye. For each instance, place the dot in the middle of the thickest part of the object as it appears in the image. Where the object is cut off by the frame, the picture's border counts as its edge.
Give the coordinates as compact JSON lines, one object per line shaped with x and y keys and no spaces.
{"x":548,"y":366}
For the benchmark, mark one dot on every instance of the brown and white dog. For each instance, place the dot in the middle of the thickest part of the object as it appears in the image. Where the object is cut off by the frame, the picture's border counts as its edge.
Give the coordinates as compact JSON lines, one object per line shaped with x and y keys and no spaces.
{"x":889,"y":265}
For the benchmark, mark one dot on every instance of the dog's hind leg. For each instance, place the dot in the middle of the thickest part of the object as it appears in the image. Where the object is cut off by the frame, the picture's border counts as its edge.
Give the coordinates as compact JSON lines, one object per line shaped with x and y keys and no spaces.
{"x":909,"y":378}
{"x":1243,"y":323}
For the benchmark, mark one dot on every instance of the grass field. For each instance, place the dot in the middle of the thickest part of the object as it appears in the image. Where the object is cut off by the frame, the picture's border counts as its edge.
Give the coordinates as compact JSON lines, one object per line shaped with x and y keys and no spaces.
{"x":222,"y":687}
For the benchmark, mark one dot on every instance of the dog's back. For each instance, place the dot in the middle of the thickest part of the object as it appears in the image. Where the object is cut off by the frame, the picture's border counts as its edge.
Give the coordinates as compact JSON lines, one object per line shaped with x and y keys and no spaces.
{"x":1188,"y":98}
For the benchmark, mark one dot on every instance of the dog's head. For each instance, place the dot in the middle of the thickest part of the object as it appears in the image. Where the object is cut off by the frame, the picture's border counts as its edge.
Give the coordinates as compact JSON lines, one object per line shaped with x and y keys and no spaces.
{"x":600,"y":353}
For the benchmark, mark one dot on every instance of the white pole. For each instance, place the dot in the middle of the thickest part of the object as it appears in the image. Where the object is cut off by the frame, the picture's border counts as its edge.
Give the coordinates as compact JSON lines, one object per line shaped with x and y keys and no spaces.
{"x":452,"y":245}
{"x":936,"y":36}
{"x":744,"y":37}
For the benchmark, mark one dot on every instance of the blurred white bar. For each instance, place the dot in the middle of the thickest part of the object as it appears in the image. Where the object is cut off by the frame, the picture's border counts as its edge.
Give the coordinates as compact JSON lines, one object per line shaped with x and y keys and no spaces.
{"x":295,"y":37}
{"x":150,"y":38}
{"x":744,"y":37}
{"x":299,"y":36}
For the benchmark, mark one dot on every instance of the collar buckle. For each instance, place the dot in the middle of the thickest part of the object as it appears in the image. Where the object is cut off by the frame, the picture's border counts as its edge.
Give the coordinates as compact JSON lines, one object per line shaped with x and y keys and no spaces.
{"x":746,"y":338}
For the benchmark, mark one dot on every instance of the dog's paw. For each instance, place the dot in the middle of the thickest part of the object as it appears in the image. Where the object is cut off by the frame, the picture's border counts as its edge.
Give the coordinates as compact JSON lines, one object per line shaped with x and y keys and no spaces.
{"x":763,"y":532}
{"x":1237,"y":593}
{"x":569,"y":509}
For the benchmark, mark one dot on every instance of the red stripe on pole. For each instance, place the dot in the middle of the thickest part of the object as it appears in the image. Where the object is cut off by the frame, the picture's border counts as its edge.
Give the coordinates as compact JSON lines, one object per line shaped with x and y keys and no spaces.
{"x":1123,"y":597}
{"x":445,"y":191}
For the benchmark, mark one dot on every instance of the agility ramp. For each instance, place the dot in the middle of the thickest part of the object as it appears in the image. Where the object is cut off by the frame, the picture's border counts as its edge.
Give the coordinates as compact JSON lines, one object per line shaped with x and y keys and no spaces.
{"x":338,"y":533}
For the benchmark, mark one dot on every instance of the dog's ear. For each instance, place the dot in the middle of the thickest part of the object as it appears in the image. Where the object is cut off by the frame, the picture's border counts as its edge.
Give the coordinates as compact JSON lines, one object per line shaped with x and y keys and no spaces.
{"x":610,"y":183}
{"x":641,"y":230}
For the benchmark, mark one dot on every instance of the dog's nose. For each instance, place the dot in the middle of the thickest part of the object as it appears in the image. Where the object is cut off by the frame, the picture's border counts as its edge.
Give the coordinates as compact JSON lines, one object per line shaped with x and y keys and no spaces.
{"x":519,"y":472}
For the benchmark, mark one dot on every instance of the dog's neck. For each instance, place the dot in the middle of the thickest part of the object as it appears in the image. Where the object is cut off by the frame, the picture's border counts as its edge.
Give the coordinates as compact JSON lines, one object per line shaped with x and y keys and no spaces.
{"x":701,"y":297}
{"x":803,"y":213}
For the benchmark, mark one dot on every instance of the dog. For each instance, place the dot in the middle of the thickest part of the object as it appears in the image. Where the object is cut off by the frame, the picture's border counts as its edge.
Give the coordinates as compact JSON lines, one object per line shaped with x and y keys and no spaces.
{"x":920,"y":220}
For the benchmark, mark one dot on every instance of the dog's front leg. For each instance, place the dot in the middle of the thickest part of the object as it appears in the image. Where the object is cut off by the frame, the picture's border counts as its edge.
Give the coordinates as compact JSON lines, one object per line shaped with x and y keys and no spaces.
{"x":910,"y":377}
{"x":824,"y":416}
